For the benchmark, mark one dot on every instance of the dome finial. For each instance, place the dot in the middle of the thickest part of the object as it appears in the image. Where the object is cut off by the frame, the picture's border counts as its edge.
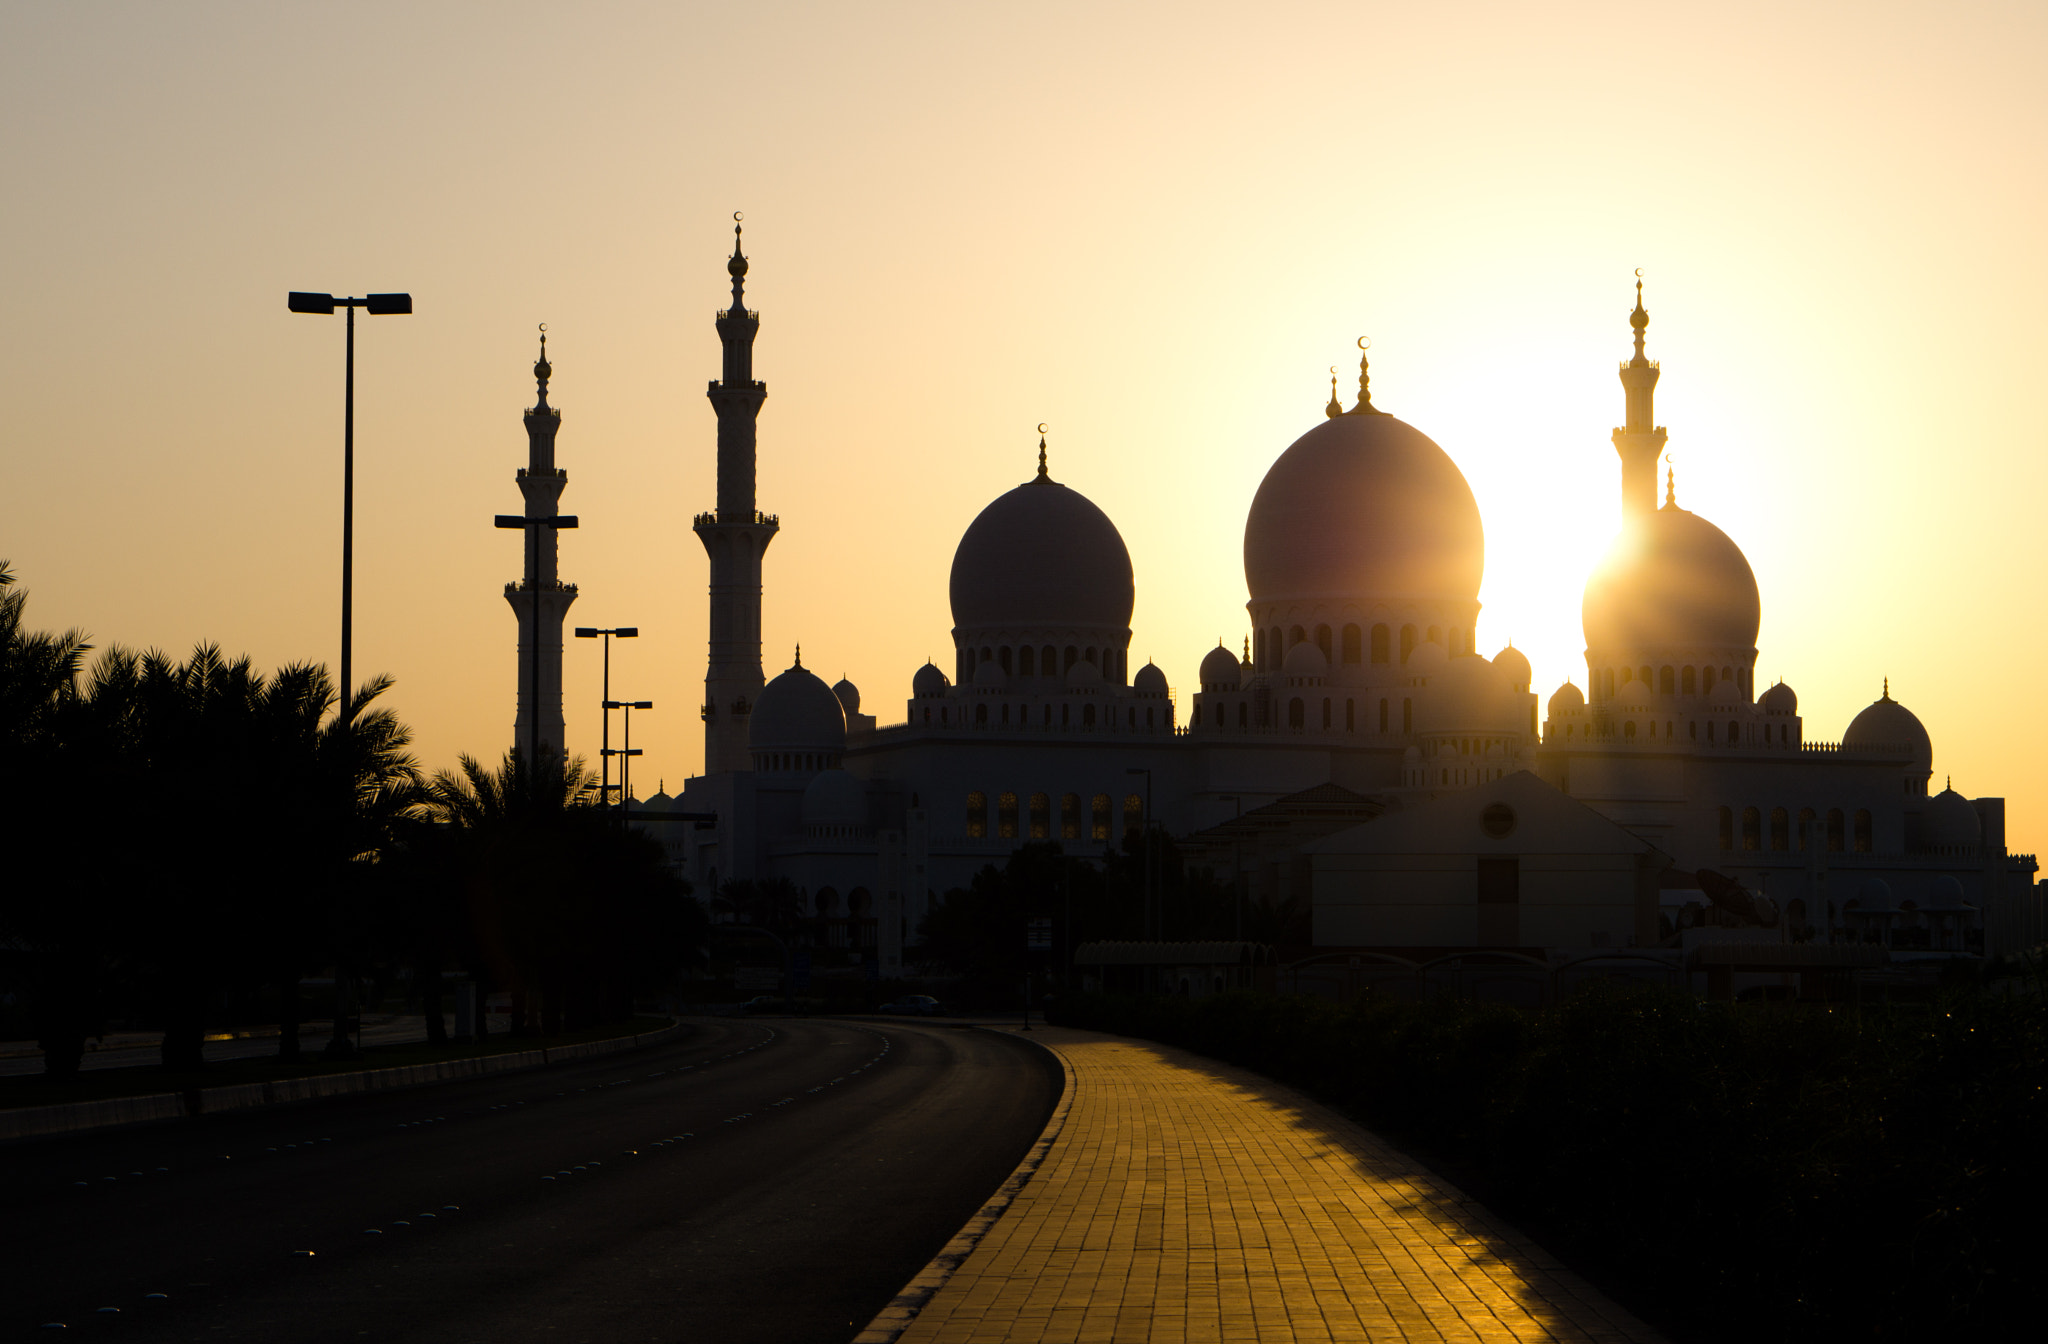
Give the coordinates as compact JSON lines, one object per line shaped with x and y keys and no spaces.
{"x":1336,"y":407}
{"x":542,"y":370}
{"x":1670,"y":486}
{"x":1887,"y":688}
{"x":736,"y":266}
{"x":1247,"y":659}
{"x":1364,"y":406}
{"x":799,"y":655}
{"x":1041,"y":452}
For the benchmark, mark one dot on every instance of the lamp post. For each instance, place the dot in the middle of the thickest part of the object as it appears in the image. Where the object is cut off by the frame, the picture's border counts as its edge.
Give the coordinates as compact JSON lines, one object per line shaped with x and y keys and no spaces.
{"x":626,"y":766}
{"x":533,"y":526}
{"x":379,"y":305}
{"x":1146,"y":821}
{"x":605,"y":752}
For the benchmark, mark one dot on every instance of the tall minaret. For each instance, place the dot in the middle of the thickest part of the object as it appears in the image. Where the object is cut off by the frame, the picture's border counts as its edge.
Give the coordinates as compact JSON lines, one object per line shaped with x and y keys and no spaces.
{"x":1641,"y":441}
{"x":541,"y":481}
{"x":735,"y":537}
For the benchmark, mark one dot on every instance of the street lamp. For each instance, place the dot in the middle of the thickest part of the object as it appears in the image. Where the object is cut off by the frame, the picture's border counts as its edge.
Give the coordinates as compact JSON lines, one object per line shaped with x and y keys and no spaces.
{"x":605,"y":753}
{"x":379,"y":305}
{"x":626,"y":766}
{"x":533,"y":526}
{"x":1147,"y":822}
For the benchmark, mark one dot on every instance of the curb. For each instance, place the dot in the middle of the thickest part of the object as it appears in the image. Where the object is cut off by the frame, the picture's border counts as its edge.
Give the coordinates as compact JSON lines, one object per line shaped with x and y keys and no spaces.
{"x":891,"y":1321}
{"x":78,"y":1116}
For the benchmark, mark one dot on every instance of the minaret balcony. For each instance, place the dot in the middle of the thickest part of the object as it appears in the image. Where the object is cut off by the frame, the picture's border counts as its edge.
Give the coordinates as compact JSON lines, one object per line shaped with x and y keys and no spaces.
{"x":552,"y":473}
{"x":754,"y":519}
{"x":557,"y":586}
{"x":752,"y":314}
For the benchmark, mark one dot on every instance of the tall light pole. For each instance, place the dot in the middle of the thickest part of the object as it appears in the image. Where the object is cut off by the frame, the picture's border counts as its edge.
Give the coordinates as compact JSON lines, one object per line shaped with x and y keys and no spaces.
{"x":533,"y":527}
{"x":379,"y":305}
{"x":626,"y":766}
{"x":1146,"y":821}
{"x":605,"y":753}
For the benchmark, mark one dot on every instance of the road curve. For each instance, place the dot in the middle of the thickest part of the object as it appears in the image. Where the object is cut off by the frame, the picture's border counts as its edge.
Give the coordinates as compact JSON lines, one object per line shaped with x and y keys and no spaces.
{"x":754,"y":1180}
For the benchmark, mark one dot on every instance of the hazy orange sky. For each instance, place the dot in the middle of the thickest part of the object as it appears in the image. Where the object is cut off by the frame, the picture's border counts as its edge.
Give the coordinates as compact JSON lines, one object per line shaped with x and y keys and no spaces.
{"x":1153,"y":226}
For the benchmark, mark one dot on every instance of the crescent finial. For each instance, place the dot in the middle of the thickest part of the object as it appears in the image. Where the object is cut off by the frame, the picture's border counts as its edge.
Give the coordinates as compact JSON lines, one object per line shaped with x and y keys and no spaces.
{"x":1639,"y":272}
{"x":543,"y":326}
{"x":1041,"y":426}
{"x":738,"y":215}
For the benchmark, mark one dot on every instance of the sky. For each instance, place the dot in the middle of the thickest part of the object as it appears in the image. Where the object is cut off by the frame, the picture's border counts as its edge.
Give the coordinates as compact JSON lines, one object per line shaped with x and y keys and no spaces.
{"x":1152,"y":226}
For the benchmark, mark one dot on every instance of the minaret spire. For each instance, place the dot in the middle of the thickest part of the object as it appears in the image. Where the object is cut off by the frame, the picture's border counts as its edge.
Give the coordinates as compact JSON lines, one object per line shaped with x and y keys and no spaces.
{"x":1041,"y":453}
{"x":735,"y":535}
{"x":1640,"y":441}
{"x":541,"y":483}
{"x":1364,"y":406}
{"x":1336,"y":407}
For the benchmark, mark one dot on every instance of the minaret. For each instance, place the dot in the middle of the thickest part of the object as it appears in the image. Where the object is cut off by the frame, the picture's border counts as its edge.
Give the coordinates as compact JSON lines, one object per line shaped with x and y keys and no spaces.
{"x":735,"y":537}
{"x":1641,"y":441}
{"x":541,"y":482}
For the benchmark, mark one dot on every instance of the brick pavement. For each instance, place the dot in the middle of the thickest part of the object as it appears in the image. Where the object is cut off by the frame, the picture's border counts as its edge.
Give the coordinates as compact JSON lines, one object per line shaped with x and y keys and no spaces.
{"x":1184,"y":1200}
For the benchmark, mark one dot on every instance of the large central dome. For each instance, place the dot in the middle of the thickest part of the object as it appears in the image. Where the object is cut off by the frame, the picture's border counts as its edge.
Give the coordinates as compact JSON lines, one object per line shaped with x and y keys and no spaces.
{"x":1042,"y":556}
{"x":1364,"y":507}
{"x":1672,"y":581}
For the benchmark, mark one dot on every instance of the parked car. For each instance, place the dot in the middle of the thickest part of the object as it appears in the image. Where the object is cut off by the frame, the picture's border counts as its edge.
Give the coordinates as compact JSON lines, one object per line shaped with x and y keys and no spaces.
{"x":915,"y":1005}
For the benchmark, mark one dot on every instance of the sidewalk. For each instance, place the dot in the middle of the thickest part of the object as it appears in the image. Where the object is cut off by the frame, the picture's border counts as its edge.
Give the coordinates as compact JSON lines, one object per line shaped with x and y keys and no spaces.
{"x":1185,"y":1200}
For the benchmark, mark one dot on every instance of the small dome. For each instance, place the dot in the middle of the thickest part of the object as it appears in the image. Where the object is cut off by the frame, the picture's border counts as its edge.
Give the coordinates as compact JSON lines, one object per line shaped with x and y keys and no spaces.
{"x":929,"y":681}
{"x":1566,"y":699}
{"x":1887,"y":723}
{"x":990,"y":673}
{"x":1305,"y":660}
{"x":1725,"y":692}
{"x":835,"y":798}
{"x":1427,"y":660}
{"x":659,"y":802}
{"x":1951,"y":820}
{"x":1948,"y":893}
{"x":1874,"y":896}
{"x":1779,"y":700}
{"x":1042,"y":555}
{"x":1149,"y":680}
{"x":797,"y":712}
{"x":849,"y":696}
{"x":1470,"y":694}
{"x":1221,"y":670}
{"x":1084,"y":673}
{"x":1514,"y":667}
{"x":1671,"y":580}
{"x":1364,"y":506}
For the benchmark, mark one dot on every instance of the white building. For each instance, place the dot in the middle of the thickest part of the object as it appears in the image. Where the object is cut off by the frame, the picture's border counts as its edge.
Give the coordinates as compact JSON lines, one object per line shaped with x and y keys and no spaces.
{"x":1670,"y":795}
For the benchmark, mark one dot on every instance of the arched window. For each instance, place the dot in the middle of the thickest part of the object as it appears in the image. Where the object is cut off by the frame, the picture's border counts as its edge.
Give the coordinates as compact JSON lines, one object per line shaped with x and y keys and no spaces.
{"x":1326,"y":711}
{"x":1752,"y":829}
{"x":1296,"y":712}
{"x":1243,"y":714}
{"x":1646,"y":678}
{"x":1628,"y":674}
{"x":981,"y":716}
{"x":1352,"y":650}
{"x":1350,"y":716}
{"x":1006,"y":816}
{"x":1665,"y":680}
{"x":1407,"y":715}
{"x":1734,"y":733}
{"x":1003,"y":658}
{"x":1862,"y":831}
{"x":1148,"y":716}
{"x":1134,"y":813}
{"x":1048,"y":661}
{"x":977,"y":815}
{"x":1436,"y":634}
{"x":1781,"y":829}
{"x":1070,"y":816}
{"x":927,"y":713}
{"x":1727,"y":674}
{"x":1295,"y":635}
{"x":1274,"y":648}
{"x":1259,"y":649}
{"x":826,"y":902}
{"x":1710,"y":730}
{"x":859,"y":901}
{"x":1073,"y":655}
{"x":1689,"y":680}
{"x":1725,"y":831}
{"x":1088,"y":655}
{"x":1805,"y":827}
{"x":1407,"y":642}
{"x":1027,"y":658}
{"x":1131,"y":717}
{"x":1380,"y":641}
{"x":1383,"y":715}
{"x":1066,"y":715}
{"x":1838,"y":837}
{"x":945,"y":716}
{"x":1006,"y":716}
{"x":1323,"y":643}
{"x":1046,"y":718}
{"x":1041,"y":817}
{"x":1087,"y":716}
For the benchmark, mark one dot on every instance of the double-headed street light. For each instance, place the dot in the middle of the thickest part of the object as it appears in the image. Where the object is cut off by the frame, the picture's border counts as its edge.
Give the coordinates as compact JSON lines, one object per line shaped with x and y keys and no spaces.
{"x":379,"y":305}
{"x":627,"y":751}
{"x":605,"y":755}
{"x":533,"y":527}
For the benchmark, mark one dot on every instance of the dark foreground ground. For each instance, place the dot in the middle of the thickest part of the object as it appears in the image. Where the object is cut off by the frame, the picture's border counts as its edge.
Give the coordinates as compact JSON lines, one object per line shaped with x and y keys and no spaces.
{"x":753,"y":1181}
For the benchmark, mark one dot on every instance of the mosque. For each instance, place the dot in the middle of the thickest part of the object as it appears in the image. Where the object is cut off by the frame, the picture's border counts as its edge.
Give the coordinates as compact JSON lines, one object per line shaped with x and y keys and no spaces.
{"x":1356,"y":748}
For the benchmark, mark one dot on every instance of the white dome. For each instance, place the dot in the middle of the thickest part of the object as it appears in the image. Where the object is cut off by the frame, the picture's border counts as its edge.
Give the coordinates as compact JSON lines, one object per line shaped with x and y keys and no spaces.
{"x":1874,"y":896}
{"x":1221,"y":670}
{"x":991,"y":674}
{"x":1305,"y":660}
{"x":1951,"y":821}
{"x":835,"y":799}
{"x":1429,"y":658}
{"x":1084,"y":673}
{"x":1887,"y":723}
{"x":1470,"y":696}
{"x":1042,"y":556}
{"x":1672,"y":580}
{"x":1948,"y":893}
{"x":797,"y":712}
{"x":1514,"y":666}
{"x":929,"y":681}
{"x":1779,"y":700}
{"x":849,"y":696}
{"x":1149,"y":681}
{"x":1567,"y":699}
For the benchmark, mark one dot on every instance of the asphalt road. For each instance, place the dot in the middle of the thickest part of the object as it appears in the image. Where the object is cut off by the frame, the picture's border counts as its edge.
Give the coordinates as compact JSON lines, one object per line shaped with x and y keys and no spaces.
{"x":759,"y":1179}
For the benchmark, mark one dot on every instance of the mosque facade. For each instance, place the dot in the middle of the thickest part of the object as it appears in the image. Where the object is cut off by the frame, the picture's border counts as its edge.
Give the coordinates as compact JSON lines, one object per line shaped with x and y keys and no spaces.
{"x":1356,"y":748}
